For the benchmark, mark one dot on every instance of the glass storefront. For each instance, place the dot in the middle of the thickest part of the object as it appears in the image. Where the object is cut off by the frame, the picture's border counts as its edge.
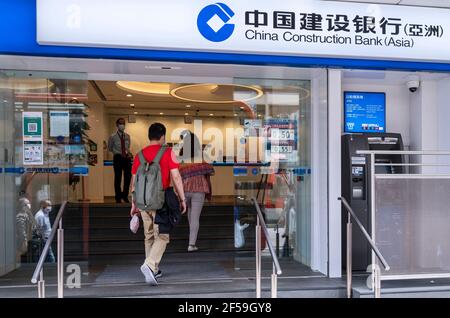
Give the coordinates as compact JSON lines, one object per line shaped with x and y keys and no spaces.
{"x":53,"y":132}
{"x":43,"y":152}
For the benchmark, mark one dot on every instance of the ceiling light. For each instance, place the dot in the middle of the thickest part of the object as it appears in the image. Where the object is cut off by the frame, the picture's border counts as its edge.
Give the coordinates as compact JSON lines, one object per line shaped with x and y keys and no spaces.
{"x":188,"y":106}
{"x":129,"y":95}
{"x":235,"y":115}
{"x":24,"y":84}
{"x":135,"y":113}
{"x":211,"y":114}
{"x":132,"y":105}
{"x":161,"y":113}
{"x":217,"y":94}
{"x":186,"y":114}
{"x":242,"y":107}
{"x":145,"y":88}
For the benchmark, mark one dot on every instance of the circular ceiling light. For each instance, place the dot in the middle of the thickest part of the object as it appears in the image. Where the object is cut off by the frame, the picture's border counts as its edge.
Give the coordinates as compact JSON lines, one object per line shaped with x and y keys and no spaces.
{"x":217,"y":93}
{"x":145,"y":88}
{"x":25,"y":84}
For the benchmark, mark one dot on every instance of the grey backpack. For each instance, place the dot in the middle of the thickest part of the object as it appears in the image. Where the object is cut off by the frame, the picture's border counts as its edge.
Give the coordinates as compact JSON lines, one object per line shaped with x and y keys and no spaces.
{"x":148,"y":187}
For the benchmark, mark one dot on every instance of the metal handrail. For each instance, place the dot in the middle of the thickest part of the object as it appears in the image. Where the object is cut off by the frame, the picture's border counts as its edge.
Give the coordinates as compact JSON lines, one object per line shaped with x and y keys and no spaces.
{"x":372,"y":244}
{"x":403,"y":152}
{"x":367,"y":236}
{"x":261,"y":225}
{"x":57,"y":227}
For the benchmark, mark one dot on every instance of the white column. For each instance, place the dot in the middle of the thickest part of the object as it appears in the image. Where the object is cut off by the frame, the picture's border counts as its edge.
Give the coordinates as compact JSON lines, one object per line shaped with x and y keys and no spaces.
{"x":424,"y":123}
{"x":95,"y":186}
{"x":334,"y":171}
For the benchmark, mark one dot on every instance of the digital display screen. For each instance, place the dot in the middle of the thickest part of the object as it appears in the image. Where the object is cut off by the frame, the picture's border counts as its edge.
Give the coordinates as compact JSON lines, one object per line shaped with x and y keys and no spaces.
{"x":365,"y":112}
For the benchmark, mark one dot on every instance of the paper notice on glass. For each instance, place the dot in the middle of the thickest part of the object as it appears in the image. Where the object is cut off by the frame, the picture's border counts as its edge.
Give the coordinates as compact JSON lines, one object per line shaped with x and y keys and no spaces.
{"x":32,"y":125}
{"x":33,"y":152}
{"x":59,"y":124}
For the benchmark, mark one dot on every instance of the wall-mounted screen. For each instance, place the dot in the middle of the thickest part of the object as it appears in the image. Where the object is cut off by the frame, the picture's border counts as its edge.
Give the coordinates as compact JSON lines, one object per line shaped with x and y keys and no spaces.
{"x":364,"y":112}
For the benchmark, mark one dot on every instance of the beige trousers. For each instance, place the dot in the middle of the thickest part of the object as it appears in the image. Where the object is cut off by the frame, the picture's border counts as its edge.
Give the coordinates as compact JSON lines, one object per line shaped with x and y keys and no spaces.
{"x":155,"y":243}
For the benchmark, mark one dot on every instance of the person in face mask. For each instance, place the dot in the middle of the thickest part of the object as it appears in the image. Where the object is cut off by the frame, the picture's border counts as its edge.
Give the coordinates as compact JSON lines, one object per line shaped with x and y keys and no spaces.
{"x":44,"y":227}
{"x":119,"y":144}
{"x":25,"y":224}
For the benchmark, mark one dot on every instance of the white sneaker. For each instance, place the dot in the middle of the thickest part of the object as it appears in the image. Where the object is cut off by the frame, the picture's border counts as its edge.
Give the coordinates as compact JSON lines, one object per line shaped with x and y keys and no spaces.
{"x":148,"y":274}
{"x":192,"y":248}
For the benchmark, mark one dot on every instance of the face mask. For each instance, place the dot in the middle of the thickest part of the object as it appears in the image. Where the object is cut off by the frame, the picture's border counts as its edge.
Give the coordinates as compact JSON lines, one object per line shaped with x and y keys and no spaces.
{"x":121,"y":127}
{"x":48,"y":209}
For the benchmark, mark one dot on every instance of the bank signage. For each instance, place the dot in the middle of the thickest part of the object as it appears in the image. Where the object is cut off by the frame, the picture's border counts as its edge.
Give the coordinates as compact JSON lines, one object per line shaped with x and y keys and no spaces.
{"x":288,"y":27}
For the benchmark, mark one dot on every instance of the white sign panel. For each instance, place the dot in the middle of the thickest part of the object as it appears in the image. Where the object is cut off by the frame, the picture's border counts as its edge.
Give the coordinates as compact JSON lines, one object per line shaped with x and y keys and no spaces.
{"x":59,"y":124}
{"x":288,"y":27}
{"x":33,"y":146}
{"x":33,"y":153}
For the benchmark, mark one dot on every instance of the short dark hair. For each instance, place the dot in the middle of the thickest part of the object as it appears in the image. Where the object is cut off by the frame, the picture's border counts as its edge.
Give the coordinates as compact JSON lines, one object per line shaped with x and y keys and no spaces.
{"x":119,"y":119}
{"x":156,"y":131}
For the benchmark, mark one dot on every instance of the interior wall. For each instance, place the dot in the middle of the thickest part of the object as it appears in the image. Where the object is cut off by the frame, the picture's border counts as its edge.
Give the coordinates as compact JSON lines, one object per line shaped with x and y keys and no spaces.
{"x":443,"y":104}
{"x":424,"y":124}
{"x":397,"y":106}
{"x":95,"y":186}
{"x":223,"y":181}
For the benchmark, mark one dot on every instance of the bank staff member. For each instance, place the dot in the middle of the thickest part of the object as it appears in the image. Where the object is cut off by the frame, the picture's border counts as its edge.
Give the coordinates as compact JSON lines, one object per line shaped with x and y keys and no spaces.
{"x":119,"y":144}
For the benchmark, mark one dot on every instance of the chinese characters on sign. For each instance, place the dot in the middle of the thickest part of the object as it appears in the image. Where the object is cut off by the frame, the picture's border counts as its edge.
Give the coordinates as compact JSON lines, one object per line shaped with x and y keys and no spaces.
{"x":340,"y":23}
{"x":359,"y":25}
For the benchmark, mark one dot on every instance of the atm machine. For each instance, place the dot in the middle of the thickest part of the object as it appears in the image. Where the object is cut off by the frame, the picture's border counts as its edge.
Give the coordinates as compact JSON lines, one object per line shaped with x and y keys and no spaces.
{"x":356,"y":185}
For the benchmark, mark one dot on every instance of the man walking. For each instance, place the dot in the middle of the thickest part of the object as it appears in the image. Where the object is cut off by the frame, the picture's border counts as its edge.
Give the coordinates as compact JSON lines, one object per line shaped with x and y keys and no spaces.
{"x":119,"y":144}
{"x":44,"y":227}
{"x":156,"y":242}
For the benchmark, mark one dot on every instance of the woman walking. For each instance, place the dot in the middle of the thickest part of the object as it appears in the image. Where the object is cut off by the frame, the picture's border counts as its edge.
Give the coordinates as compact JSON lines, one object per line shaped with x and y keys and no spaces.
{"x":196,"y":183}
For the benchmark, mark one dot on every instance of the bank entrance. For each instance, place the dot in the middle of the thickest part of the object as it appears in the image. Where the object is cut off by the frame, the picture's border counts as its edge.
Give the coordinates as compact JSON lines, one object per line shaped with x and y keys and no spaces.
{"x":262,"y":135}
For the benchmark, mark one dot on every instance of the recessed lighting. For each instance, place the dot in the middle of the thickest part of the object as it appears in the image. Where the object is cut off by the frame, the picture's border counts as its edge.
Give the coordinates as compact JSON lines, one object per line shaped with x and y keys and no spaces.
{"x":161,"y":113}
{"x":132,"y":105}
{"x":211,"y":114}
{"x":188,"y":106}
{"x":186,"y":114}
{"x":129,"y":95}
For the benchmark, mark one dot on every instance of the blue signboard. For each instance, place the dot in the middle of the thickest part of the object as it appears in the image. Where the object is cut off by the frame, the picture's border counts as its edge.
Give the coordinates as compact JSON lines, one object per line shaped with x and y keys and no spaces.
{"x":365,"y":112}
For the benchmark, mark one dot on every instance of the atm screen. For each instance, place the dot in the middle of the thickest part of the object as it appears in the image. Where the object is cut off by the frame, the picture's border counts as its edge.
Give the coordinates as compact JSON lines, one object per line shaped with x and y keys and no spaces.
{"x":365,"y":112}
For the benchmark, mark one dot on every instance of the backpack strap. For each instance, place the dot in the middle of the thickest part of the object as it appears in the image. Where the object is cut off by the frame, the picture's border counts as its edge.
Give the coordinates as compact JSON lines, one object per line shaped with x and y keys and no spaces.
{"x":142,"y":161}
{"x":160,"y":153}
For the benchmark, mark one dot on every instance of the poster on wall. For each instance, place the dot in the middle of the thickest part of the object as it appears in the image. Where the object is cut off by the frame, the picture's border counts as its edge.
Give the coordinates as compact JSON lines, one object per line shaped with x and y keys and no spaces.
{"x":32,"y":125}
{"x":33,"y":145}
{"x":59,"y":124}
{"x":33,"y":153}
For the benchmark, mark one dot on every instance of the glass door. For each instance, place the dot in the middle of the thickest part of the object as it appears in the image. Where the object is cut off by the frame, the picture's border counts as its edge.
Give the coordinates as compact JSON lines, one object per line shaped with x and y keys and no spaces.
{"x":274,"y":165}
{"x":41,"y":153}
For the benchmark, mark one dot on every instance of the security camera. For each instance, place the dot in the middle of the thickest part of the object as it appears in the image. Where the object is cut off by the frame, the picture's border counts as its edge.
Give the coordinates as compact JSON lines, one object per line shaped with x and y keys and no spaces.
{"x":413,"y":83}
{"x":413,"y":86}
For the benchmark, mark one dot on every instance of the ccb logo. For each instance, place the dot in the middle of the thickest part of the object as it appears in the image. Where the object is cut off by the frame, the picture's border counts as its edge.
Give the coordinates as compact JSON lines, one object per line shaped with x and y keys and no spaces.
{"x":212,"y":22}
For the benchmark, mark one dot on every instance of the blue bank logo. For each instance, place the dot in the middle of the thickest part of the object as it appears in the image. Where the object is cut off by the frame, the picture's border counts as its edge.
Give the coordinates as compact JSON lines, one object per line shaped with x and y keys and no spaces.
{"x":212,"y":22}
